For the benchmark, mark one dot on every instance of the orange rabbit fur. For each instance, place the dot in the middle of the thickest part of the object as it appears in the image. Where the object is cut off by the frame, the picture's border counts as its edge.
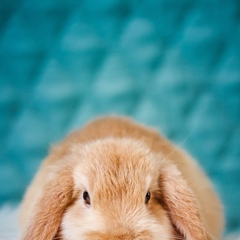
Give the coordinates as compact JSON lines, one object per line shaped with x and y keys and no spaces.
{"x":116,"y":179}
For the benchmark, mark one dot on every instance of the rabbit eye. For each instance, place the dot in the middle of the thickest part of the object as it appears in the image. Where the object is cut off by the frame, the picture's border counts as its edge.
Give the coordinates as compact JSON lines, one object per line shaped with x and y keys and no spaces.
{"x":86,"y":198}
{"x":147,"y":197}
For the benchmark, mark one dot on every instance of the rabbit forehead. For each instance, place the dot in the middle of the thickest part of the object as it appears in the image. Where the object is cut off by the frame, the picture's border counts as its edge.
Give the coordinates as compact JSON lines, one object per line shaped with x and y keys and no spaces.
{"x":111,"y":162}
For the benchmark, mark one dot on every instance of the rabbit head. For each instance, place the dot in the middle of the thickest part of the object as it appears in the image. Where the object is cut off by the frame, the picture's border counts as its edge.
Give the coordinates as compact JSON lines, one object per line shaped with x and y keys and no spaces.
{"x":115,"y":189}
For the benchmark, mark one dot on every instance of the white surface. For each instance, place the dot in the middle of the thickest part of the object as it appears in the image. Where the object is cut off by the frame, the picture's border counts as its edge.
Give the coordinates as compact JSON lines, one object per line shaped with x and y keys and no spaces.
{"x":8,"y":223}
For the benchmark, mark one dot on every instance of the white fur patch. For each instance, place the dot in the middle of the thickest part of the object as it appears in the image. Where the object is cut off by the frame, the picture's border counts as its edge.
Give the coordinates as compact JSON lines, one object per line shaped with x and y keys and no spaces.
{"x":77,"y":228}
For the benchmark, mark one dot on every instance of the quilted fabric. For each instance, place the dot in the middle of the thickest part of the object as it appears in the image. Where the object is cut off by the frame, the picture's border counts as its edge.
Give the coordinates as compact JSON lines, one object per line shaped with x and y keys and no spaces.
{"x":171,"y":64}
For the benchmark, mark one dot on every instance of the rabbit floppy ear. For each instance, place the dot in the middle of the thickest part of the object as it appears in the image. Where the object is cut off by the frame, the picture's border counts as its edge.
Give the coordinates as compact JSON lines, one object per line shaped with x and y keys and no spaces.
{"x":181,"y":204}
{"x":49,"y":209}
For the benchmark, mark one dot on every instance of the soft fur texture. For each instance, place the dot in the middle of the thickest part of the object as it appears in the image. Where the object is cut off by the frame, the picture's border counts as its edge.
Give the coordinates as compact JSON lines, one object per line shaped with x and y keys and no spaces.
{"x":117,"y":162}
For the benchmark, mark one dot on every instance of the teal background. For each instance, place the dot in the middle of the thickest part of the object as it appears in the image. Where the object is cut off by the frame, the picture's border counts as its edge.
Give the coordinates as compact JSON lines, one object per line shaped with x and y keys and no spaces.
{"x":171,"y":64}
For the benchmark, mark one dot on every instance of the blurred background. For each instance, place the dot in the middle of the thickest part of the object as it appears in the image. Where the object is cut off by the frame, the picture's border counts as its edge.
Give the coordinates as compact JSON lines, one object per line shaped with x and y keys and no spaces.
{"x":171,"y":64}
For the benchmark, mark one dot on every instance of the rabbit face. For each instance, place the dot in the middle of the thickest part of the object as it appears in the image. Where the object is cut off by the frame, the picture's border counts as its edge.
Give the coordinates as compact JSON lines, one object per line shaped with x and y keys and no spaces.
{"x":118,"y":193}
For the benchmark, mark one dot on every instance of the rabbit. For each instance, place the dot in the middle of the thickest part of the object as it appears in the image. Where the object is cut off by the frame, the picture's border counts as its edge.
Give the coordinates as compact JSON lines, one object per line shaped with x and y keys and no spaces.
{"x":117,"y":179}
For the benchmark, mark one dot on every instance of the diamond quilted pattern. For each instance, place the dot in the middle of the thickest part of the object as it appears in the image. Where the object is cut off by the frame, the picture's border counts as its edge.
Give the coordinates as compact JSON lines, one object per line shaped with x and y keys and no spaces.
{"x":171,"y":64}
